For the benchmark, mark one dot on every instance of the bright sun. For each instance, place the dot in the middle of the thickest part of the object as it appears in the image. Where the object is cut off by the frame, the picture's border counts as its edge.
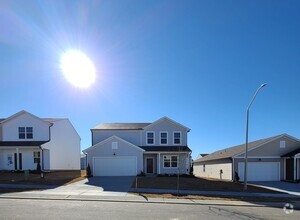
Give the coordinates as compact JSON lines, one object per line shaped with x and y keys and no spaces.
{"x":78,"y":68}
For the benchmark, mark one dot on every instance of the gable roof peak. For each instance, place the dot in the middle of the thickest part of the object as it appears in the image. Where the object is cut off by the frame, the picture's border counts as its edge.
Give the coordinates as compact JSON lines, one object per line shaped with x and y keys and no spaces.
{"x":21,"y":113}
{"x":170,"y":120}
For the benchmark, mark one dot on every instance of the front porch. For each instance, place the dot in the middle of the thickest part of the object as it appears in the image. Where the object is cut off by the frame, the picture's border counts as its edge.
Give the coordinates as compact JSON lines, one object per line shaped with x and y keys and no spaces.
{"x":14,"y":156}
{"x":162,"y":162}
{"x":292,"y":166}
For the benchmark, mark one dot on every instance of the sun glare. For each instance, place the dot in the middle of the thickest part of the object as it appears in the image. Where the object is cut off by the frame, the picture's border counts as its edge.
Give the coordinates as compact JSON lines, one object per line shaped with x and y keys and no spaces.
{"x":78,"y":68}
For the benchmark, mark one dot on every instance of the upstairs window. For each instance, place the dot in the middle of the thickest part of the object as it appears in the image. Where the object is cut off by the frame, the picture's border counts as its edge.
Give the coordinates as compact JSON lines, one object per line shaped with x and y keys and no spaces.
{"x":163,"y":137}
{"x":150,"y":137}
{"x":177,"y":137}
{"x":29,"y":132}
{"x":21,"y":132}
{"x":25,"y":132}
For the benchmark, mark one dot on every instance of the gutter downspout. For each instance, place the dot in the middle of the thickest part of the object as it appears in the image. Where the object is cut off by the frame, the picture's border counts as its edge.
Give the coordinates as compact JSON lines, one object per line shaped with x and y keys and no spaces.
{"x":42,"y":149}
{"x":86,"y":160}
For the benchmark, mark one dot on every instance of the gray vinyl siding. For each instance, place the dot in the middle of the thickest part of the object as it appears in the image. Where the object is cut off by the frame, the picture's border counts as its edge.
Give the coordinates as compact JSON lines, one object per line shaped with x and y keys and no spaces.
{"x":273,"y":148}
{"x":168,"y":127}
{"x":130,"y":136}
{"x":105,"y":150}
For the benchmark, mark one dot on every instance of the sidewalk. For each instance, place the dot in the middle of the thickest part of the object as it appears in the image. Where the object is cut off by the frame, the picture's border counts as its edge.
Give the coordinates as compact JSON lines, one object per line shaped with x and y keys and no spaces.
{"x":94,"y":194}
{"x":140,"y":199}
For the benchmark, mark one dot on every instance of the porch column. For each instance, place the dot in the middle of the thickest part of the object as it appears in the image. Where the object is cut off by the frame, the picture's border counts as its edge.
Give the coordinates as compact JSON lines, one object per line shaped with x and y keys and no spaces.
{"x":158,"y":163}
{"x":295,"y":167}
{"x":18,"y":159}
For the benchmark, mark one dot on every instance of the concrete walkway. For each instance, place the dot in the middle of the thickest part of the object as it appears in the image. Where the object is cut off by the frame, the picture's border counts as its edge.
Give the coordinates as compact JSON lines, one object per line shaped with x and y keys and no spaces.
{"x":279,"y":186}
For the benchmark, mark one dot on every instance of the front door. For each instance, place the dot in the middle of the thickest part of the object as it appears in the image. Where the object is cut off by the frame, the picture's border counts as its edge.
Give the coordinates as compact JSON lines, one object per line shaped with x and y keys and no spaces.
{"x":289,"y":169}
{"x":18,"y":164}
{"x":149,"y":162}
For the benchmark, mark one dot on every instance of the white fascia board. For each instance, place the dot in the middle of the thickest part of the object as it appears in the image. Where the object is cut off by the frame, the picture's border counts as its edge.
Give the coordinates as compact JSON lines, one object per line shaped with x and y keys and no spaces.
{"x":166,"y":152}
{"x":167,"y":119}
{"x":114,"y":137}
{"x":21,"y":113}
{"x":259,"y":157}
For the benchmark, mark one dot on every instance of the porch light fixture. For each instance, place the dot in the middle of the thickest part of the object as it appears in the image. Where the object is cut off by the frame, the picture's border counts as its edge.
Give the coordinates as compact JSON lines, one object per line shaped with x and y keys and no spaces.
{"x":247,"y":122}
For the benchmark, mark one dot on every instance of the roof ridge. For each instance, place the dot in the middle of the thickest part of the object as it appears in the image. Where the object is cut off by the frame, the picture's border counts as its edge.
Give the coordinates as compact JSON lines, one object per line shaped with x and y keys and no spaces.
{"x":225,"y":151}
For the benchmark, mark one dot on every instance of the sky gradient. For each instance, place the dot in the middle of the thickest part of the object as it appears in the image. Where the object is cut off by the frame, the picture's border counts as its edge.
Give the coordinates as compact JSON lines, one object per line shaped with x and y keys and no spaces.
{"x":196,"y":62}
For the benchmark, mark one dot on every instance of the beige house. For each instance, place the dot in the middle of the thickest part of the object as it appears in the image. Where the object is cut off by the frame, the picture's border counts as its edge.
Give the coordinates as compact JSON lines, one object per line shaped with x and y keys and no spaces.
{"x":271,"y":159}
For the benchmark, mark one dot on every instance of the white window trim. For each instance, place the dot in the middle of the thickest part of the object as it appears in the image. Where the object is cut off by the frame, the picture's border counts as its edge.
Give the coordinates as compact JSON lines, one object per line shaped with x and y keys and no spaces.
{"x":282,"y":144}
{"x":39,"y":156}
{"x":170,"y":161}
{"x":147,"y":137}
{"x":179,"y":138}
{"x":25,"y":133}
{"x":114,"y":145}
{"x":160,"y":137}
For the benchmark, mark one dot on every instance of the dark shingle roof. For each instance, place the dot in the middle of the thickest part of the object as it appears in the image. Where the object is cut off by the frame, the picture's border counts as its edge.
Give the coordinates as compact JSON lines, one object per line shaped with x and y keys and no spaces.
{"x":230,"y":152}
{"x":22,"y":143}
{"x":121,"y":126}
{"x":167,"y":148}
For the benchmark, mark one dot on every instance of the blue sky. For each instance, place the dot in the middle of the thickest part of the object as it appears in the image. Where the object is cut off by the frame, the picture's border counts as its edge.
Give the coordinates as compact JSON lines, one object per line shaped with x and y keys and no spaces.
{"x":197,"y":62}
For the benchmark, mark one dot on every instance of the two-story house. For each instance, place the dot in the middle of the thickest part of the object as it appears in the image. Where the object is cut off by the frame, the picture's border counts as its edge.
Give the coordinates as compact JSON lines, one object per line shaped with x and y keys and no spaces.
{"x":27,"y":140}
{"x":129,"y":149}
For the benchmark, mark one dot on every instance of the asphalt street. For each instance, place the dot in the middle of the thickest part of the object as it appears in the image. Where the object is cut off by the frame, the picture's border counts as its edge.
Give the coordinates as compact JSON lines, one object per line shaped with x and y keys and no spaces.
{"x":60,"y":209}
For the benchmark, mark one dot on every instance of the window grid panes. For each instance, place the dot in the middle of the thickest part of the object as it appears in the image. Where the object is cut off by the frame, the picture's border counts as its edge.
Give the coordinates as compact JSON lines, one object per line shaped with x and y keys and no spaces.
{"x":171,"y":161}
{"x":36,"y":157}
{"x":29,"y":132}
{"x":177,"y":138}
{"x":163,"y":138}
{"x":150,"y":138}
{"x":21,"y":132}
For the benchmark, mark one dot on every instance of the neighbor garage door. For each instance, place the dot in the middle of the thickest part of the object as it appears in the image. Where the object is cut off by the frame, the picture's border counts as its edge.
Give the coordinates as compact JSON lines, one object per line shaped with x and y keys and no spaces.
{"x":260,"y":171}
{"x":114,"y":166}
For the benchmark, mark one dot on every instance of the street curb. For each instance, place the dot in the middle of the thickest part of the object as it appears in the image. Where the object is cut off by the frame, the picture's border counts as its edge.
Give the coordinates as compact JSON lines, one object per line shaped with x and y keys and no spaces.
{"x":214,"y":193}
{"x":266,"y":204}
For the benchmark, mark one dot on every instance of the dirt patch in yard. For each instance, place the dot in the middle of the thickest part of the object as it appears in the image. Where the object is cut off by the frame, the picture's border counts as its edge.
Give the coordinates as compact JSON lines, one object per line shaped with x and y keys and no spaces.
{"x":194,"y":183}
{"x":50,"y":178}
{"x":228,"y":198}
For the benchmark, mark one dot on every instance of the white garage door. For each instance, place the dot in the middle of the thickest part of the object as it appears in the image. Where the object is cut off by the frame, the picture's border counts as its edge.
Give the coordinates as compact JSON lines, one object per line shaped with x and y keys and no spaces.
{"x":114,"y":166}
{"x":260,"y":171}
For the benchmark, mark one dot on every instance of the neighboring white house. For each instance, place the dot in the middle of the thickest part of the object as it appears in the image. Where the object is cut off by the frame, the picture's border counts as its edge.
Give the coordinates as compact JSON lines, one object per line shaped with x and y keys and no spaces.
{"x":26,"y":140}
{"x":128,"y":149}
{"x":270,"y":159}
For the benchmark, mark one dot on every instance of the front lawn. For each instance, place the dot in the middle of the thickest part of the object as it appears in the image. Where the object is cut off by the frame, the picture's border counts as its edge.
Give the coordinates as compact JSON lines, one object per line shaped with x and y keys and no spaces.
{"x":51,"y":178}
{"x":194,"y":183}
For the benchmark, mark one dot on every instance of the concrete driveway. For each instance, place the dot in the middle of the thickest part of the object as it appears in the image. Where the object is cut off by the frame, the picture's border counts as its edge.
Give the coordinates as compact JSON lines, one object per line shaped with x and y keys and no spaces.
{"x":95,"y":186}
{"x":280,"y":186}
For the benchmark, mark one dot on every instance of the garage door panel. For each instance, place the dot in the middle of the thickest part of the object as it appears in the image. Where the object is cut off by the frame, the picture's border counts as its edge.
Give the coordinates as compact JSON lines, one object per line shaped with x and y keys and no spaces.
{"x":115,"y":166}
{"x":260,"y":171}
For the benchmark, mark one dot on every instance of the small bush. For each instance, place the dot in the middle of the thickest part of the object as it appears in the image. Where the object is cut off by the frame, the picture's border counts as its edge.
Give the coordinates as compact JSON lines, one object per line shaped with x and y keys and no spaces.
{"x":38,"y":168}
{"x":141,"y":174}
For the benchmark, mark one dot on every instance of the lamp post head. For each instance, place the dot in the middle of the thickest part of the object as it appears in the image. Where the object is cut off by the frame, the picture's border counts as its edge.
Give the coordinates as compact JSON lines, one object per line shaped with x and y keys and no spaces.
{"x":263,"y":85}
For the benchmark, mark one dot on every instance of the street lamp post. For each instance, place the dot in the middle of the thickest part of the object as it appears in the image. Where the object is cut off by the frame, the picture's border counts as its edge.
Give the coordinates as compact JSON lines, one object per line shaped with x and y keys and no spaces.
{"x":247,"y":122}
